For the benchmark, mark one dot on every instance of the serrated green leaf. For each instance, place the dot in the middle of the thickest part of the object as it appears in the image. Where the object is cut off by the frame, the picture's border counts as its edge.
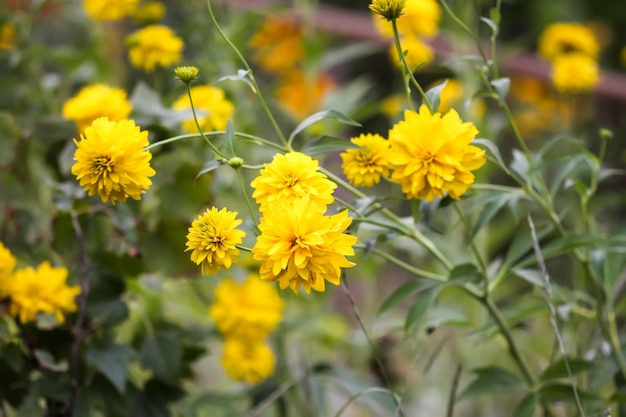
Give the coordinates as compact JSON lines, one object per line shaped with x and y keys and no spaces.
{"x":526,"y":407}
{"x":558,"y":369}
{"x":433,"y":95}
{"x":319,"y":116}
{"x":402,"y":292}
{"x":501,"y":85}
{"x":327,"y":144}
{"x":491,"y":380}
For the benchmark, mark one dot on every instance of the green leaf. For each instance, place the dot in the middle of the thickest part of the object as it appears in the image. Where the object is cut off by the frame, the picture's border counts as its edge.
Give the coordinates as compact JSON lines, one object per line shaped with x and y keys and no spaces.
{"x":161,"y":352}
{"x":523,"y":244}
{"x":402,"y":292}
{"x":464,"y":273}
{"x":564,"y":245}
{"x":558,"y":369}
{"x":526,"y":407}
{"x":47,"y":361}
{"x":491,"y":24}
{"x":491,"y":209}
{"x":326,"y":114}
{"x":494,"y":14}
{"x":565,"y":392}
{"x":212,"y":165}
{"x":418,"y":313}
{"x":327,"y":144}
{"x":491,"y":380}
{"x":242,"y":75}
{"x":111,"y":360}
{"x":494,"y":151}
{"x":532,"y":276}
{"x":433,"y":95}
{"x":501,"y":86}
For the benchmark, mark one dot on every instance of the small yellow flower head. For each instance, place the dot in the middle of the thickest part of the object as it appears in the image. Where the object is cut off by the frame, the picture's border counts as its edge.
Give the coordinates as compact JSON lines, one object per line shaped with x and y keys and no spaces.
{"x":278,"y":45}
{"x":186,"y":74}
{"x":302,"y":95}
{"x":111,"y":161}
{"x":152,"y":46}
{"x":303,"y":247}
{"x":392,"y":105}
{"x":43,"y":290}
{"x":247,"y":362}
{"x":100,"y":10}
{"x":432,"y":155}
{"x":94,"y":101}
{"x":364,"y":167}
{"x":289,"y":178}
{"x":418,"y":53}
{"x":250,"y":311}
{"x":7,"y":264}
{"x":7,"y":36}
{"x":213,"y":237}
{"x":388,"y":9}
{"x":575,"y":73}
{"x":149,"y":12}
{"x":564,"y":38}
{"x":212,"y":108}
{"x":419,"y":18}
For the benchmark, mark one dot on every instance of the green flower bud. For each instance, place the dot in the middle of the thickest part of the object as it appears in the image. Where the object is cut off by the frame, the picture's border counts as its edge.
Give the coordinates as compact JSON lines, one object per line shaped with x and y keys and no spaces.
{"x":389,"y":9}
{"x":186,"y":74}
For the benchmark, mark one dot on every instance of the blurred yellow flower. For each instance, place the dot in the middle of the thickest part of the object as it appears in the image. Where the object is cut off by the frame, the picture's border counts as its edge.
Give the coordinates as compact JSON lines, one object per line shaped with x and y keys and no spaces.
{"x":417,"y":52}
{"x":388,"y":9}
{"x":208,"y":100}
{"x":622,"y":56}
{"x":111,"y":161}
{"x":292,"y":177}
{"x":7,"y":264}
{"x":564,"y":38}
{"x":152,"y":46}
{"x":419,"y":18}
{"x":575,"y":73}
{"x":528,"y":89}
{"x":278,"y":45}
{"x":8,"y":37}
{"x":392,"y":105}
{"x":303,"y":247}
{"x":249,"y":311}
{"x":432,"y":155}
{"x":363,"y":167}
{"x":149,"y":12}
{"x":213,"y":237}
{"x":247,"y":362}
{"x":301,"y":94}
{"x":43,"y":290}
{"x":94,"y":101}
{"x":109,"y":10}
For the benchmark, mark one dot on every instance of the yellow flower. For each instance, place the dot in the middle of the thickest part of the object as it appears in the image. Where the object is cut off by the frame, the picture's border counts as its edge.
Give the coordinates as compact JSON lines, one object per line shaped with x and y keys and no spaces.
{"x":7,"y":264}
{"x":109,"y":10}
{"x":388,"y":9}
{"x":392,"y":105}
{"x":301,"y":94}
{"x":111,"y":162}
{"x":43,"y":290}
{"x":289,"y":178}
{"x":574,"y":73}
{"x":528,"y":89}
{"x":7,"y":36}
{"x":247,"y":362}
{"x":432,"y":154}
{"x":563,"y":38}
{"x":418,"y":53}
{"x":419,"y":18}
{"x":154,"y":45}
{"x":622,"y":56}
{"x":94,"y":101}
{"x":302,"y":247}
{"x":210,"y":100}
{"x":364,"y":167}
{"x":278,"y":45}
{"x":249,"y":311}
{"x":149,"y":12}
{"x":213,"y":237}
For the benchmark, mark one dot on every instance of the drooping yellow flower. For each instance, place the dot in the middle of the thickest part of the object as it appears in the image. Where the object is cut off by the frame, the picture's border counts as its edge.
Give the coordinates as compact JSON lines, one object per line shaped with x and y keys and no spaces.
{"x":111,"y":161}
{"x":418,"y":53}
{"x":249,"y":362}
{"x":432,"y":155}
{"x":303,"y":94}
{"x":574,"y":73}
{"x":292,"y":177}
{"x":278,"y":45}
{"x":149,"y":12}
{"x":152,"y":46}
{"x":210,"y":100}
{"x":419,"y":18}
{"x":42,"y":290}
{"x":249,"y":311}
{"x":100,"y":10}
{"x":364,"y":167}
{"x":564,"y":38}
{"x":8,"y":37}
{"x":303,"y":247}
{"x":7,"y":264}
{"x":94,"y":101}
{"x":213,"y":237}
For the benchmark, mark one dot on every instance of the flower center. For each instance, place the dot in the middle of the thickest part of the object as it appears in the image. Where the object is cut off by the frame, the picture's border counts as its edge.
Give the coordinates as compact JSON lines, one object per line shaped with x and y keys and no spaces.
{"x":364,"y":158}
{"x":102,"y":165}
{"x":291,"y":180}
{"x":428,"y":157}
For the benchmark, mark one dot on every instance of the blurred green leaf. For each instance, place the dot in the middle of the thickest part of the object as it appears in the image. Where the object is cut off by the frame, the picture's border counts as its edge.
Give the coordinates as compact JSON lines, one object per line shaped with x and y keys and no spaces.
{"x":491,"y":380}
{"x":526,"y":407}
{"x":161,"y":352}
{"x":47,"y":361}
{"x":495,"y":151}
{"x":111,"y":359}
{"x":326,"y":144}
{"x":565,"y":392}
{"x":242,"y":75}
{"x":558,"y":369}
{"x":433,"y":95}
{"x":326,"y":114}
{"x":403,"y":291}
{"x":418,"y":312}
{"x":501,"y":85}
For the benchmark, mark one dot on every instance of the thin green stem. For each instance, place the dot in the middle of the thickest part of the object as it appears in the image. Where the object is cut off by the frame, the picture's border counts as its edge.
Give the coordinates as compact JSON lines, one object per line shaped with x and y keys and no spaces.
{"x":246,"y":136}
{"x":468,"y":231}
{"x":359,"y":394}
{"x":407,"y":267}
{"x":195,"y":118}
{"x":245,"y":193}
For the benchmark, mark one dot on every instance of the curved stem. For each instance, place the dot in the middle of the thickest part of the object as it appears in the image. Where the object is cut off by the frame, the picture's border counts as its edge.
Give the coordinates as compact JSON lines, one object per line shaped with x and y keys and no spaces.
{"x":195,"y":119}
{"x":214,"y":133}
{"x":407,"y":267}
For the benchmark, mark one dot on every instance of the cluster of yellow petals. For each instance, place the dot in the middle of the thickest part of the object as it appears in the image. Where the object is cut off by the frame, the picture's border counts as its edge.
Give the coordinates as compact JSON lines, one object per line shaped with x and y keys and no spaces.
{"x":152,"y":46}
{"x":213,"y":238}
{"x":7,"y":264}
{"x":278,"y":45}
{"x":100,"y":10}
{"x":94,"y":101}
{"x":564,"y":38}
{"x":365,"y":166}
{"x":8,"y":37}
{"x":111,"y":160}
{"x":246,"y":361}
{"x":575,"y":73}
{"x":212,"y":108}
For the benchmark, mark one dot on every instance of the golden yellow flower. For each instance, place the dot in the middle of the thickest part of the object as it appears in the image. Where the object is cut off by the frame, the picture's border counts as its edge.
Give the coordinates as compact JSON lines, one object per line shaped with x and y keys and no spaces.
{"x":432,"y":155}
{"x":303,"y":247}
{"x":388,"y":9}
{"x":278,"y":45}
{"x":289,"y":178}
{"x":149,"y":12}
{"x":302,"y":94}
{"x":392,"y":105}
{"x":212,"y":108}
{"x":246,"y":361}
{"x":94,"y":101}
{"x":109,"y":10}
{"x":213,"y":237}
{"x":419,"y":18}
{"x":111,"y":161}
{"x":563,"y":38}
{"x":363,"y":167}
{"x":43,"y":290}
{"x":152,"y":46}
{"x":418,"y":53}
{"x":8,"y":37}
{"x":7,"y":264}
{"x":574,"y":73}
{"x":249,"y":311}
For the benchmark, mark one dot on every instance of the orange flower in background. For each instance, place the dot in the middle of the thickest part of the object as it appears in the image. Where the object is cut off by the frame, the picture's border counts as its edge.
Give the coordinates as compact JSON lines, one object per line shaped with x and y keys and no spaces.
{"x":278,"y":45}
{"x":302,"y":95}
{"x":7,"y":36}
